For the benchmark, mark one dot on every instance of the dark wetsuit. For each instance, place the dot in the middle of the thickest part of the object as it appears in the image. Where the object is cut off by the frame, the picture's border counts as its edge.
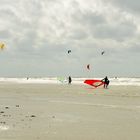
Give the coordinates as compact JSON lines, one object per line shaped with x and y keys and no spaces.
{"x":106,"y":82}
{"x":70,"y":80}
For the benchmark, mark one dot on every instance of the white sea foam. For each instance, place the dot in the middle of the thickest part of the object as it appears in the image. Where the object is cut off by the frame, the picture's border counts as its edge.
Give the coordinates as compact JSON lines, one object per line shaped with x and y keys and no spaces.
{"x":3,"y":128}
{"x":56,"y":80}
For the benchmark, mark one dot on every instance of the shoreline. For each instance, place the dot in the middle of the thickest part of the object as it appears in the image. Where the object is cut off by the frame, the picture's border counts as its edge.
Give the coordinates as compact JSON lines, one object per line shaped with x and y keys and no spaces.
{"x":75,"y":81}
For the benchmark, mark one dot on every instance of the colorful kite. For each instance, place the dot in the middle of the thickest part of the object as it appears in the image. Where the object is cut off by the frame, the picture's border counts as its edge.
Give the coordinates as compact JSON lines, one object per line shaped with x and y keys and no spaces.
{"x":94,"y":82}
{"x":88,"y":66}
{"x":2,"y":46}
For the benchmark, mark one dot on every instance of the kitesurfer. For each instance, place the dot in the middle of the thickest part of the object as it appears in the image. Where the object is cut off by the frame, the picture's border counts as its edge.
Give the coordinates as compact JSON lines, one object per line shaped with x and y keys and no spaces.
{"x":106,"y":82}
{"x":69,"y":79}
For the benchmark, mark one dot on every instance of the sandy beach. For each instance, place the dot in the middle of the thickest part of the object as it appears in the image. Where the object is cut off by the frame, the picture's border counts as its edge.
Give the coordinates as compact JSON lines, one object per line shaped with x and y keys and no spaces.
{"x":69,"y":112}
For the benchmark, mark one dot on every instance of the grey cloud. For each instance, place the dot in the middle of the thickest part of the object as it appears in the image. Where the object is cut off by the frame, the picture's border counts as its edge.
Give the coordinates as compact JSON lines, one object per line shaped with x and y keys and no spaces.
{"x":4,"y":34}
{"x":89,"y":18}
{"x":14,"y":20}
{"x":7,"y":12}
{"x":39,"y":33}
{"x":128,"y":5}
{"x":85,"y":22}
{"x":117,"y":31}
{"x":134,"y":48}
{"x":97,"y":25}
{"x":77,"y":34}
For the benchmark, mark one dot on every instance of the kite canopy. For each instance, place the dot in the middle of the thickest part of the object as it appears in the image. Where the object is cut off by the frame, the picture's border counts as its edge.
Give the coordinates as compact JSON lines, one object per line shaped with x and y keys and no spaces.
{"x":95,"y":83}
{"x":88,"y":66}
{"x":69,"y":51}
{"x":102,"y":52}
{"x":2,"y":46}
{"x":62,"y":79}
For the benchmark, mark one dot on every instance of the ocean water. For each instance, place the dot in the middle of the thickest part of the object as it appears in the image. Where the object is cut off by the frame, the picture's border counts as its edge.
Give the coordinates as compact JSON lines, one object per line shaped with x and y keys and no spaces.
{"x":62,"y":80}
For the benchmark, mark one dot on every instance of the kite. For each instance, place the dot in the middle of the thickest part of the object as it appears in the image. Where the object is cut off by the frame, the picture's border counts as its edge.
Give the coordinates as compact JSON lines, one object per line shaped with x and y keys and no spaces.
{"x":94,"y":82}
{"x":62,"y":79}
{"x":69,"y":51}
{"x":102,"y":52}
{"x":88,"y":67}
{"x":2,"y":46}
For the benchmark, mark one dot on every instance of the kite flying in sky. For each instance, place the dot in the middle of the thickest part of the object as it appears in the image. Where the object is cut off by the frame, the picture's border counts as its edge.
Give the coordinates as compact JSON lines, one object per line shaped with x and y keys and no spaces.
{"x":88,"y":67}
{"x":102,"y":52}
{"x":69,"y":51}
{"x":2,"y":46}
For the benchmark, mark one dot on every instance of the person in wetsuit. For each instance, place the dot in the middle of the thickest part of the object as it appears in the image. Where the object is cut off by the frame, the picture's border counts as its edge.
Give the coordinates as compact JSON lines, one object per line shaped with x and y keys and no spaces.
{"x":106,"y":82}
{"x":69,"y":80}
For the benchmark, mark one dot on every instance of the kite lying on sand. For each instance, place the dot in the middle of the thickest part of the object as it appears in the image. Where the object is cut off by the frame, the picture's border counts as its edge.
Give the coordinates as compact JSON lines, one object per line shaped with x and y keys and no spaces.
{"x":93,"y":82}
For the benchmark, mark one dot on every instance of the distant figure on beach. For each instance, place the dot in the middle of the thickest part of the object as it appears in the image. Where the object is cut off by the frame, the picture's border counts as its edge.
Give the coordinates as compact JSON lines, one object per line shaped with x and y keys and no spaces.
{"x":106,"y":82}
{"x":69,"y":80}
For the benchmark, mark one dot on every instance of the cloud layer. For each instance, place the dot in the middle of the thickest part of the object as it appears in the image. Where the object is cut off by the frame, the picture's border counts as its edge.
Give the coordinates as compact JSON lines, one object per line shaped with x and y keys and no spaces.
{"x":39,"y":33}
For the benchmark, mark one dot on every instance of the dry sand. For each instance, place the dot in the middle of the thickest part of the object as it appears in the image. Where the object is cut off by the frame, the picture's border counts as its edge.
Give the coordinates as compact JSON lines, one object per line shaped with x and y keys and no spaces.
{"x":69,"y":112}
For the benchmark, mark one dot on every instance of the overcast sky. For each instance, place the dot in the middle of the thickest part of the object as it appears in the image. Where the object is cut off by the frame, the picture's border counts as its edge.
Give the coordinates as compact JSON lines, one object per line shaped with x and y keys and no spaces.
{"x":38,"y":34}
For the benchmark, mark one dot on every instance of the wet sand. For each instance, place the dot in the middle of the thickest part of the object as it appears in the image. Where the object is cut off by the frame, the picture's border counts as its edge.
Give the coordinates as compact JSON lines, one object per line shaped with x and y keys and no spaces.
{"x":69,"y":112}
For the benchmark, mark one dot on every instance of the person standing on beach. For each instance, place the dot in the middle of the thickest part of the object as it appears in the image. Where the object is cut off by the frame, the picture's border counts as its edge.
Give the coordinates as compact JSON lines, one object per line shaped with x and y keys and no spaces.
{"x":106,"y":82}
{"x":69,"y":79}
